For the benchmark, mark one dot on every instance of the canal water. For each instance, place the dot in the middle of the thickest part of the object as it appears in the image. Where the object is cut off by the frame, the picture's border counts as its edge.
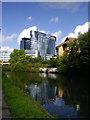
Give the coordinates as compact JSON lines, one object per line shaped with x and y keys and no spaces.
{"x":61,"y":96}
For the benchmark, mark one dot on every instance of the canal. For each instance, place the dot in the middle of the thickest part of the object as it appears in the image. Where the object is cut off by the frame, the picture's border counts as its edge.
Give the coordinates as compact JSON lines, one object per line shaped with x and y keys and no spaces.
{"x":61,"y":96}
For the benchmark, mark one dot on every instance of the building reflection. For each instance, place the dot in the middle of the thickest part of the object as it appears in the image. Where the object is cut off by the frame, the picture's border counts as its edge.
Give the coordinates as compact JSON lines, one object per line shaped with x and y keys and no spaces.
{"x":60,"y":93}
{"x":49,"y":75}
{"x":52,"y":76}
{"x":44,"y":75}
{"x":42,"y":93}
{"x":77,"y":107}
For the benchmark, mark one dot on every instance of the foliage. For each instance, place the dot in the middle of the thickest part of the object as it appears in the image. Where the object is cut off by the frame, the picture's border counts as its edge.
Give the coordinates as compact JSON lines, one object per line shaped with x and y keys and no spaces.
{"x":77,"y":58}
{"x":18,"y":67}
{"x":62,"y":68}
{"x":6,"y":67}
{"x":14,"y":57}
{"x":22,"y":62}
{"x":84,"y":45}
{"x":73,"y":55}
{"x":53,"y":62}
{"x":37,"y":59}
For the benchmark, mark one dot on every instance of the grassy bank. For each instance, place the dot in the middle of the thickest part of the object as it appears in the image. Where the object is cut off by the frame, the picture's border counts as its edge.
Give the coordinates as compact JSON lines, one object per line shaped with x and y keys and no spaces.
{"x":21,"y":105}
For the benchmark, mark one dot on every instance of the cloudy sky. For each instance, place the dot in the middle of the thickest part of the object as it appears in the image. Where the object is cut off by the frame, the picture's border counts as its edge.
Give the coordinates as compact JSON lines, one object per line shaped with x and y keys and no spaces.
{"x":58,"y":18}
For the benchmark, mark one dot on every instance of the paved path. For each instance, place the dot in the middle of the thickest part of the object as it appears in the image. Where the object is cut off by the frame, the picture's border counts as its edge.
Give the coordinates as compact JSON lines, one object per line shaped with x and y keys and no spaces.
{"x":5,"y":108}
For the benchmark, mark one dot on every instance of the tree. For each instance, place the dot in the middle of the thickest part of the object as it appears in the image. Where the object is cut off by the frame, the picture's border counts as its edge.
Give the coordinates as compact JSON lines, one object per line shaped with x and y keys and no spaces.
{"x":77,"y":58}
{"x":53,"y":62}
{"x":25,"y":59}
{"x":73,"y":55}
{"x":37,"y":59}
{"x":84,"y":44}
{"x":15,"y":56}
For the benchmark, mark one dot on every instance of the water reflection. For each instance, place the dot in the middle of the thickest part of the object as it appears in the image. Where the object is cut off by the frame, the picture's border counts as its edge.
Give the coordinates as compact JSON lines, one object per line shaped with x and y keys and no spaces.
{"x":42,"y":93}
{"x":49,"y":75}
{"x":59,"y":95}
{"x":50,"y":99}
{"x":44,"y":75}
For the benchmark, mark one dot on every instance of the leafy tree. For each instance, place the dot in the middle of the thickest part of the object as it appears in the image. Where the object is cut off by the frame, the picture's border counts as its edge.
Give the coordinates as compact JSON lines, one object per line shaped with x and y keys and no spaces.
{"x":53,"y":62}
{"x":73,"y":55}
{"x":25,"y":59}
{"x":77,"y":58}
{"x":14,"y":57}
{"x":37,"y":59}
{"x":84,"y":45}
{"x":62,"y":63}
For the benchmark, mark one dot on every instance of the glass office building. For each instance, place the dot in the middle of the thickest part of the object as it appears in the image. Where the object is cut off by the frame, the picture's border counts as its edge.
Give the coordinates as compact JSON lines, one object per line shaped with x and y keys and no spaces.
{"x":25,"y":44}
{"x":39,"y":44}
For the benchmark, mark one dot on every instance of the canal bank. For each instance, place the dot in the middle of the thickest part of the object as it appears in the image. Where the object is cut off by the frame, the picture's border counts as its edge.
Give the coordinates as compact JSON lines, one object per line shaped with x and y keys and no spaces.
{"x":58,"y":94}
{"x":20,"y":104}
{"x":33,"y":69}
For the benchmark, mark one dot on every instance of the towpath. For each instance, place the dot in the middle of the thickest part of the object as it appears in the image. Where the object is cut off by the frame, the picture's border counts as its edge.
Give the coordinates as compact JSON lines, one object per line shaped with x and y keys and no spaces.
{"x":5,"y":109}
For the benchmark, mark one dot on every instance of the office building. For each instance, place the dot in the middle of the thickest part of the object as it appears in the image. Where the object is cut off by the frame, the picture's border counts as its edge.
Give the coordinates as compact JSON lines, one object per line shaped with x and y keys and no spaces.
{"x":39,"y":44}
{"x":5,"y":53}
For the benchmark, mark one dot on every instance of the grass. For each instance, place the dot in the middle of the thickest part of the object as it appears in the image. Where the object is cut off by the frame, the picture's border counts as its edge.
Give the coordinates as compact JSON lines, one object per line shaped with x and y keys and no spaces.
{"x":21,"y":105}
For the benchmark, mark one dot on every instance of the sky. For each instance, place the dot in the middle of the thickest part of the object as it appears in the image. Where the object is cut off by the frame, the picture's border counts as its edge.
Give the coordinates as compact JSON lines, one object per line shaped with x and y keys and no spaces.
{"x":57,"y":18}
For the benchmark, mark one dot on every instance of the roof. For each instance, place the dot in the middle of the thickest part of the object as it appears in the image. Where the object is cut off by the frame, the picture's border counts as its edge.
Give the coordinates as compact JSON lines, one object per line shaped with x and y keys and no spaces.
{"x":67,"y":40}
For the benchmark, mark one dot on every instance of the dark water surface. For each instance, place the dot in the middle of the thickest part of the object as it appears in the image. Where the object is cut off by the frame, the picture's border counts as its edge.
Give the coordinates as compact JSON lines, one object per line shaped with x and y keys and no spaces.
{"x":61,"y":96}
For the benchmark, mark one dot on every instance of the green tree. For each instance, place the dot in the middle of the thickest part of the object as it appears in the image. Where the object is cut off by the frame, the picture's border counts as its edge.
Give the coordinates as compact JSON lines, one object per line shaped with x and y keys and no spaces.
{"x":15,"y":56}
{"x":84,"y":44}
{"x":73,"y":55}
{"x":77,"y":58}
{"x":62,"y":63}
{"x":25,"y":59}
{"x":53,"y":62}
{"x":37,"y":59}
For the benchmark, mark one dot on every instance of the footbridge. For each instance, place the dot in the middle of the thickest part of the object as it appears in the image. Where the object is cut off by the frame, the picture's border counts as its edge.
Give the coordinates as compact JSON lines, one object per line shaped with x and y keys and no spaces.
{"x":4,"y":63}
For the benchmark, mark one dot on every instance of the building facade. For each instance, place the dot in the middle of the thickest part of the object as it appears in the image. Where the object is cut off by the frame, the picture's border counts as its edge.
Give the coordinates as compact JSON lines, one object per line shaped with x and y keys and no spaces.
{"x":39,"y":44}
{"x":63,"y":47}
{"x":5,"y":53}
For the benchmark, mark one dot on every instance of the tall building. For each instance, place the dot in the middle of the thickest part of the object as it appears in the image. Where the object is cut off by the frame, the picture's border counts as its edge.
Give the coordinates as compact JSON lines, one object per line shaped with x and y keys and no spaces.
{"x":5,"y":53}
{"x":39,"y":44}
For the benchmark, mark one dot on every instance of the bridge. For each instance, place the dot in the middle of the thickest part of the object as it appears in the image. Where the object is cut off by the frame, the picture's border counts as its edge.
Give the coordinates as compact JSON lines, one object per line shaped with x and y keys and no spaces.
{"x":4,"y":63}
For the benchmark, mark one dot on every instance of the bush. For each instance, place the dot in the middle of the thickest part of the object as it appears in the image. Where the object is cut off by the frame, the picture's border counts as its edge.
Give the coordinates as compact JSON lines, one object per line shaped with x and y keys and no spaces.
{"x":6,"y":67}
{"x":18,"y":67}
{"x":62,"y":68}
{"x":53,"y":62}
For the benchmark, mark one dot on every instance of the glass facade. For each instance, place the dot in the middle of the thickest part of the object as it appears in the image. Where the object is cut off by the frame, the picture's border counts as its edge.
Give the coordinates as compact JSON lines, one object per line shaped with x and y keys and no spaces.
{"x":51,"y":47}
{"x":22,"y":44}
{"x":43,"y":43}
{"x":25,"y":44}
